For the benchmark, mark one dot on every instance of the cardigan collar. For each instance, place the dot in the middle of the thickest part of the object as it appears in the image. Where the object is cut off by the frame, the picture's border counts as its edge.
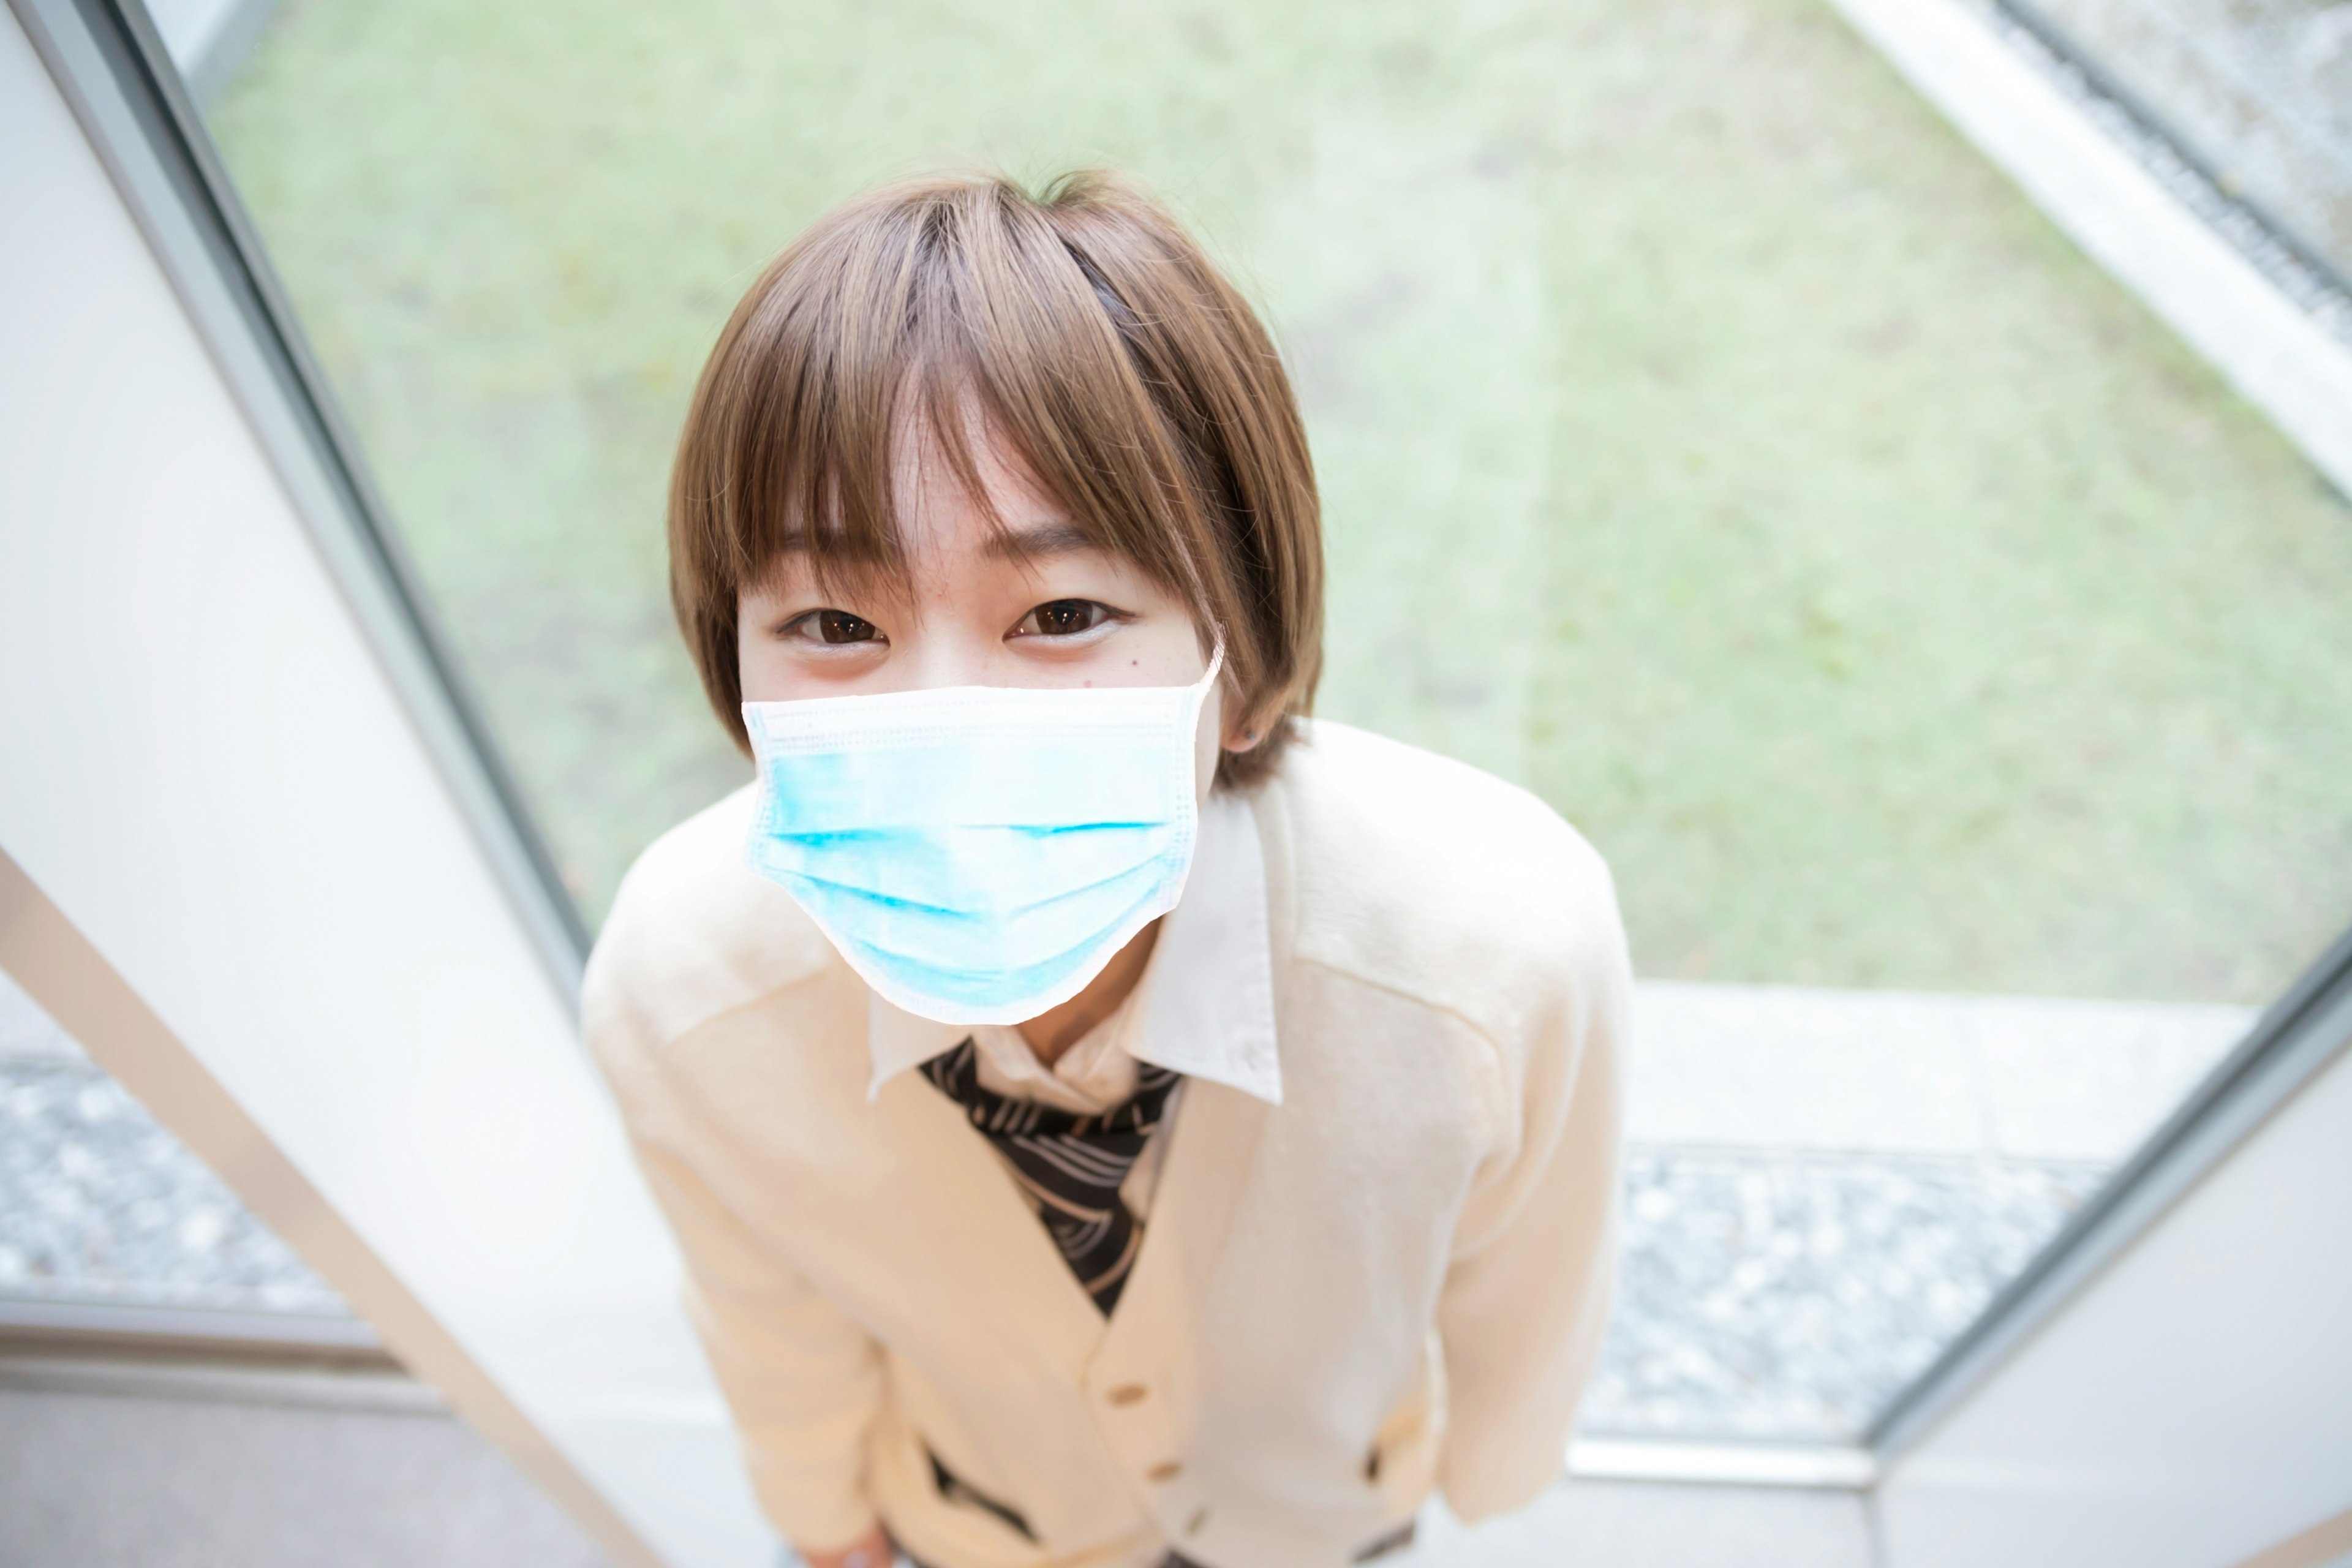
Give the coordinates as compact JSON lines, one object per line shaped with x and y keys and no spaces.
{"x":1206,"y":997}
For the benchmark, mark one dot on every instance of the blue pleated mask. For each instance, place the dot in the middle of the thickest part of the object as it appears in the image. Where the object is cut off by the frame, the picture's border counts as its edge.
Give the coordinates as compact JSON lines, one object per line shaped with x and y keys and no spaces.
{"x":979,"y":853}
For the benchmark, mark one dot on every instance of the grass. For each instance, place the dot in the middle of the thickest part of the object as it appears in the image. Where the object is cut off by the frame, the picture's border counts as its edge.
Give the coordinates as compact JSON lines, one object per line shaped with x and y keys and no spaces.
{"x":1709,"y":439}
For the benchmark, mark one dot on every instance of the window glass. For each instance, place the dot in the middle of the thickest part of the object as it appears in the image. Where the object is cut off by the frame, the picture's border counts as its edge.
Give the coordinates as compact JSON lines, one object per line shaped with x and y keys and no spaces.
{"x":1953,"y":669}
{"x":2259,"y":92}
{"x":101,"y":1207}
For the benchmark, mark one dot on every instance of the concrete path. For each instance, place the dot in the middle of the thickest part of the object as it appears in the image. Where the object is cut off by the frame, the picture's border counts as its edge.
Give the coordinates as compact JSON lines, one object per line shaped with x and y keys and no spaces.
{"x":1891,"y":1072}
{"x":2261,"y":89}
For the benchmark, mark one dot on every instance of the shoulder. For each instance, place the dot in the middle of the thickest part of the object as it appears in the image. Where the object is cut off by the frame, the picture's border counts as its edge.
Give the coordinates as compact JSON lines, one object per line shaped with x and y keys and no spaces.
{"x":1427,"y":877}
{"x":693,"y":934}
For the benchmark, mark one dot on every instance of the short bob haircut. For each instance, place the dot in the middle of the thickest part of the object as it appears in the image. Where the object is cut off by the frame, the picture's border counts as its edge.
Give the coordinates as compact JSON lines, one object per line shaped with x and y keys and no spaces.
{"x":1088,"y":337}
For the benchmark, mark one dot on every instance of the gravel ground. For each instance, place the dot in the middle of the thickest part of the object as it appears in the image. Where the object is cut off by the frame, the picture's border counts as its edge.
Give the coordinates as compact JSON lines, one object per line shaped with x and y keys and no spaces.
{"x":99,"y":1203}
{"x":2309,"y":272}
{"x":1789,"y":1298}
{"x":1763,"y":1295}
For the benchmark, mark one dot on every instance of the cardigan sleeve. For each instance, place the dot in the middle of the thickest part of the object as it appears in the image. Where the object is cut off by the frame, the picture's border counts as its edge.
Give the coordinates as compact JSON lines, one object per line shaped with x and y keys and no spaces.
{"x":1526,"y":1294}
{"x":801,"y":1380}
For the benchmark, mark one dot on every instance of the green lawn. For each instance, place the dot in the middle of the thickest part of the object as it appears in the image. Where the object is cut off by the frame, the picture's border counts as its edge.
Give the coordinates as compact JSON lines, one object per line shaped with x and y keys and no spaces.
{"x":1710,"y":439}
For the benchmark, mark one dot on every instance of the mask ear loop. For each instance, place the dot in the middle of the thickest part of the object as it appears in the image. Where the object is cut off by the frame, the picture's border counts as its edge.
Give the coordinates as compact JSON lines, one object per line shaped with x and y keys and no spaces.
{"x":1200,"y":689}
{"x":1197,"y":694}
{"x":1199,"y":698}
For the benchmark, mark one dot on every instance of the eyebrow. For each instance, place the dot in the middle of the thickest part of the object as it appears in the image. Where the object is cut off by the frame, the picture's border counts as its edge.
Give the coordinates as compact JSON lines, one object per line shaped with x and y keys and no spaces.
{"x":1037,"y":543}
{"x":1041,"y":541}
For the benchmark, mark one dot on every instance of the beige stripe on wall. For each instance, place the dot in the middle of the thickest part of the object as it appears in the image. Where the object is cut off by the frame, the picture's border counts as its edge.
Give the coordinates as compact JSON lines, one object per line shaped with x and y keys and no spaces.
{"x":2323,"y":1543}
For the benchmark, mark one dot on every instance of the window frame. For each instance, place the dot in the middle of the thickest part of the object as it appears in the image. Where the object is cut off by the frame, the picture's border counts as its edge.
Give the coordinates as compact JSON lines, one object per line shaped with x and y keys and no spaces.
{"x":112,"y":66}
{"x":110,"y":63}
{"x":2297,"y":1037}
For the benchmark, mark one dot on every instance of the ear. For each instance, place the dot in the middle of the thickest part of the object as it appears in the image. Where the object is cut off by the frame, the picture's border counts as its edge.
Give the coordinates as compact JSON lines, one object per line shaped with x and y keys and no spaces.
{"x":1243,"y":729}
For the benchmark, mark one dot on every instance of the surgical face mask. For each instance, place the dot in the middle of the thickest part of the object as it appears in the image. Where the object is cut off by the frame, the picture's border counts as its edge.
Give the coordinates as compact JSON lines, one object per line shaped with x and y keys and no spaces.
{"x":979,"y":853}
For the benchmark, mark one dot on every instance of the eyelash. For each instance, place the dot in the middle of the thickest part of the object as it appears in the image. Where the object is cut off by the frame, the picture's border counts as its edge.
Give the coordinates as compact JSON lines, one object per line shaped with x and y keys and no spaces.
{"x":1099,"y":613}
{"x":809,"y":625}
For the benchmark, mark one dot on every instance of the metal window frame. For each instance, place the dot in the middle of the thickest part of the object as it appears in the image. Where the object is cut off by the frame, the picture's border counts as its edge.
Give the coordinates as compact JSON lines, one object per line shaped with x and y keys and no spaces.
{"x":111,"y":64}
{"x":2297,"y":1037}
{"x":31,"y":1326}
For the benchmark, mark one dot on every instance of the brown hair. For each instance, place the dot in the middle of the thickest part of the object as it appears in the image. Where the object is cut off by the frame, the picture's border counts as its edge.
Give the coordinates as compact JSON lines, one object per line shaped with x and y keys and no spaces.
{"x":1089,"y":335}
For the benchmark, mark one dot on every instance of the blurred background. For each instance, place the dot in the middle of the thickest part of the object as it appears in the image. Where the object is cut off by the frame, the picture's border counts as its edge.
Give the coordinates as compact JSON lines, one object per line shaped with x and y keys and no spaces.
{"x":1954,"y":669}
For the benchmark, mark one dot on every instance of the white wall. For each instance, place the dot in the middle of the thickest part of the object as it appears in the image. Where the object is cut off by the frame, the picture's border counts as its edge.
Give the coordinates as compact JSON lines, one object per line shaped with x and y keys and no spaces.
{"x":247,"y":892}
{"x":2192,"y":1408}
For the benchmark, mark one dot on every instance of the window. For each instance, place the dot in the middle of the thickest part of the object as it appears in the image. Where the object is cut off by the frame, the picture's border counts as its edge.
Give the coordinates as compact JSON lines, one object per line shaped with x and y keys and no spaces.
{"x":1951,"y":666}
{"x":2254,"y":100}
{"x":100,"y":1207}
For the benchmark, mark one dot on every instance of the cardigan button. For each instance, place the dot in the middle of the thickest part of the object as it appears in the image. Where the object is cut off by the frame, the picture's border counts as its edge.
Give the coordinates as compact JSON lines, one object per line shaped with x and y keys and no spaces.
{"x":1126,"y":1394}
{"x":1165,"y":1470}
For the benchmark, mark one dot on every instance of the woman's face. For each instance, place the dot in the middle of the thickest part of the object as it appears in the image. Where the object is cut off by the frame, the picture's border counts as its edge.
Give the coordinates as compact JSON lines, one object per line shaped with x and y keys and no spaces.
{"x":1030,"y":602}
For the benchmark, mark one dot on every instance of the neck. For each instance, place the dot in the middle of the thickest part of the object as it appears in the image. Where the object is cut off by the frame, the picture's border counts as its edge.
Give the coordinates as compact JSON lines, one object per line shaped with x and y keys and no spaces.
{"x":1055,"y":1031}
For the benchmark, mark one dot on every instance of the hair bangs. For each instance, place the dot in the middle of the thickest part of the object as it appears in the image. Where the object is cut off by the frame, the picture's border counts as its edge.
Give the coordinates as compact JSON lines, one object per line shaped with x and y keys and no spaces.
{"x":923,"y":334}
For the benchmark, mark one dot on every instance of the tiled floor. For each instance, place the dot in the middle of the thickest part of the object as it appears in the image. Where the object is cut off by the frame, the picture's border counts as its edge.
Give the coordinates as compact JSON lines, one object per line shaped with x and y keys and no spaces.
{"x":92,"y":1480}
{"x":1639,"y":1524}
{"x":154,"y":1480}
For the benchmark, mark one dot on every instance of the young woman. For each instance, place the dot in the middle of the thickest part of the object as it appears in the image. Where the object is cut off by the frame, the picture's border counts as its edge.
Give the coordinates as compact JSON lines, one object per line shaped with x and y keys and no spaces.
{"x":1108,"y":1118}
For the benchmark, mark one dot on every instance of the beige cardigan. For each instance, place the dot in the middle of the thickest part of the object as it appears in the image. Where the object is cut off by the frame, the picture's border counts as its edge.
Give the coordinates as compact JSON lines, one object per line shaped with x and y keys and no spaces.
{"x":1396,"y":1279}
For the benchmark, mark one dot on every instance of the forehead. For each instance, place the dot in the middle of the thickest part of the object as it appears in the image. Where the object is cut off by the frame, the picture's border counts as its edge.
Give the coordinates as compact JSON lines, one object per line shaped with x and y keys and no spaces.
{"x":952,"y":513}
{"x":973,"y":495}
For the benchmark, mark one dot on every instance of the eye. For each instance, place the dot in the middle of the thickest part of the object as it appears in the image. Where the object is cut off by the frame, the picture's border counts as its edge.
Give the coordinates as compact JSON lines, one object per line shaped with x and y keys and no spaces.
{"x":1064,"y":618}
{"x":833,"y":626}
